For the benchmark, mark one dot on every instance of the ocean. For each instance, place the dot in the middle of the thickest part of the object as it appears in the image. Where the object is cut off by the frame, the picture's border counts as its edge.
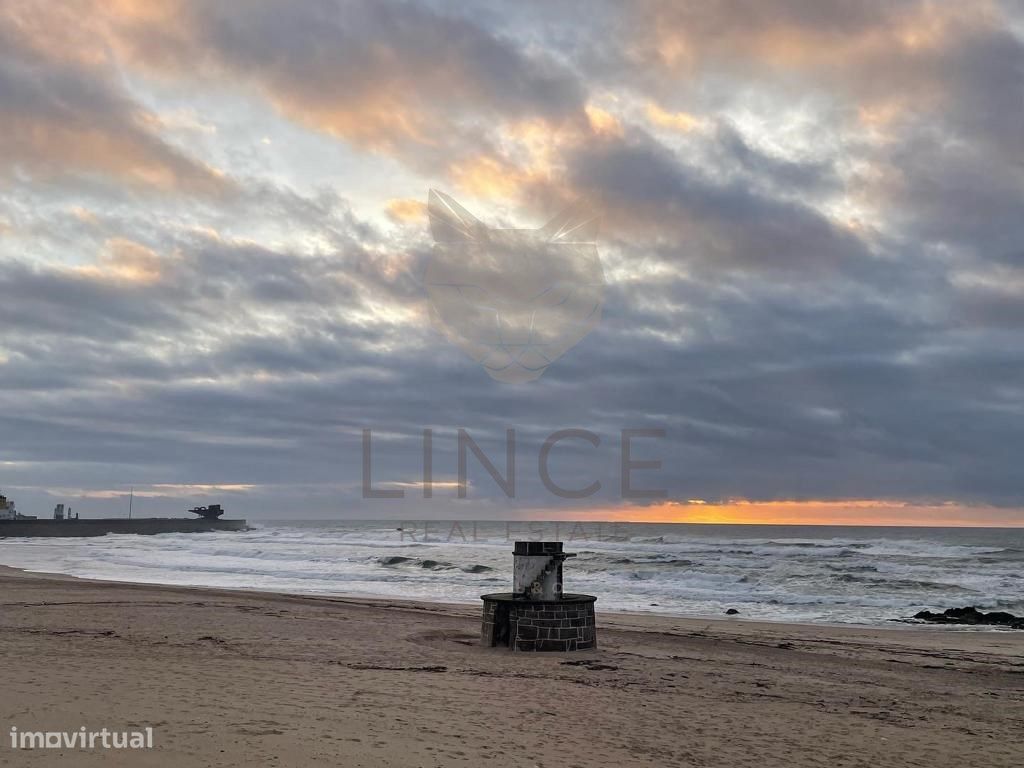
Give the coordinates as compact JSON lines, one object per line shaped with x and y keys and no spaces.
{"x":786,"y":573}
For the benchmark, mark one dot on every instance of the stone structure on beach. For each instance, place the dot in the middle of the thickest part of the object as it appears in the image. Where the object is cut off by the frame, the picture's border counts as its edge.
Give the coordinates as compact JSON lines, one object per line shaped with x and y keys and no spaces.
{"x":537,"y":615}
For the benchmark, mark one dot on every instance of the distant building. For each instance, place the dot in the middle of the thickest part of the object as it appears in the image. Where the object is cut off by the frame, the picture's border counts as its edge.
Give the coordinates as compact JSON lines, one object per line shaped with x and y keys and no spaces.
{"x":7,"y":510}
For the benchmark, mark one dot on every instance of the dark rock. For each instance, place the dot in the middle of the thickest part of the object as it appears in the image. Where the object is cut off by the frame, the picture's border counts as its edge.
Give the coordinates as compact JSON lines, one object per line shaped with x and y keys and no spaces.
{"x":394,"y":560}
{"x":434,"y":565}
{"x":972,"y":616}
{"x":731,"y":612}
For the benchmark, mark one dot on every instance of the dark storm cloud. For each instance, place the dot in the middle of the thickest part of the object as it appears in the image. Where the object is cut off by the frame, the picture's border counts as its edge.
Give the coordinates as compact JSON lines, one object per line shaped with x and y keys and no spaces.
{"x":992,"y":306}
{"x":730,"y":224}
{"x":69,"y":305}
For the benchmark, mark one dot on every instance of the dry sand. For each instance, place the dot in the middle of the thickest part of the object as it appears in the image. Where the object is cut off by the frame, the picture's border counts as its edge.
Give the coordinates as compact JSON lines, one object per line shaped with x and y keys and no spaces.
{"x":250,"y":679}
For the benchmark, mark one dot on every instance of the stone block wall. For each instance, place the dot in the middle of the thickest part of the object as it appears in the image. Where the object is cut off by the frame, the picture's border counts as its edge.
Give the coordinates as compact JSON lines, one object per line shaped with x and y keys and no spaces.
{"x":539,"y":625}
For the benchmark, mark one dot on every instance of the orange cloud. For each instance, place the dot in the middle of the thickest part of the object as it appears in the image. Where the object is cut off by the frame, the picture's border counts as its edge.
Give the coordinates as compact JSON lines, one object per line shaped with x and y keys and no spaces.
{"x":676,"y":121}
{"x":406,"y":209}
{"x":50,"y":148}
{"x":885,"y":57}
{"x":679,"y":36}
{"x":126,"y":261}
{"x":488,"y":176}
{"x":412,"y":85}
{"x":602,"y":122}
{"x":66,"y":114}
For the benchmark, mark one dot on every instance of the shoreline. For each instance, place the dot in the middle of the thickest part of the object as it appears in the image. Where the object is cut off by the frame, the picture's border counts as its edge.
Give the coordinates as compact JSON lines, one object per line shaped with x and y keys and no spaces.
{"x":894,"y":625}
{"x":241,"y":678}
{"x":628,"y":621}
{"x":811,"y":576}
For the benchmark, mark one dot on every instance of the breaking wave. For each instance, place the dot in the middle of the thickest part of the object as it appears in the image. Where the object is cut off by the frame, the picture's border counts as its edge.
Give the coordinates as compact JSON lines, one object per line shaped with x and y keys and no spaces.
{"x":833,"y":574}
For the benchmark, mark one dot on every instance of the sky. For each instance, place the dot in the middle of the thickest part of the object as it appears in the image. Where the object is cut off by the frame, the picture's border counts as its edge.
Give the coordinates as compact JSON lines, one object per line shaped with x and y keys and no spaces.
{"x":214,"y":235}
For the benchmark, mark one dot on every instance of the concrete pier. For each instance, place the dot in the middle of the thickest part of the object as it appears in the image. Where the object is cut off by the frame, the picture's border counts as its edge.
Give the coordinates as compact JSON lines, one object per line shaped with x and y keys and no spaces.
{"x":102,"y":526}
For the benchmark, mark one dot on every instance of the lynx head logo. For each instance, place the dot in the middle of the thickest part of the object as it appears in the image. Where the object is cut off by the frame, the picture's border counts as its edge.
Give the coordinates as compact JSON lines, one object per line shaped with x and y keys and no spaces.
{"x":514,"y":300}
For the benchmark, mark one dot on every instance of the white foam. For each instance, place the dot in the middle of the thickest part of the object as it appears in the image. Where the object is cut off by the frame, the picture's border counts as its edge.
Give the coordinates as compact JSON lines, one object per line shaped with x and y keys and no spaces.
{"x":678,"y":570}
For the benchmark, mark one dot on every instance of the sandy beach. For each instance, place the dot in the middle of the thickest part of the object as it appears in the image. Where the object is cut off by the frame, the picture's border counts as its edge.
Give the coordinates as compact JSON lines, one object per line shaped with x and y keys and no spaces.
{"x":228,"y":678}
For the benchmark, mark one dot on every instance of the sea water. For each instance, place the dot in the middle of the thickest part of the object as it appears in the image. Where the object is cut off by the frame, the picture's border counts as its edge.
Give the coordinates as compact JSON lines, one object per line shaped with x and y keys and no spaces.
{"x":787,"y":573}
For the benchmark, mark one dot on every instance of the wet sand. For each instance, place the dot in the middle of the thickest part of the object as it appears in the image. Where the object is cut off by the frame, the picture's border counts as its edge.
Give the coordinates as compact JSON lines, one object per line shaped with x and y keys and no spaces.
{"x":229,"y":678}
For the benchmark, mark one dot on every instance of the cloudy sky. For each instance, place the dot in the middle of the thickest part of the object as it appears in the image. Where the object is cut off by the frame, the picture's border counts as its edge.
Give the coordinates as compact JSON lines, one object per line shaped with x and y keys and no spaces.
{"x":213,"y":239}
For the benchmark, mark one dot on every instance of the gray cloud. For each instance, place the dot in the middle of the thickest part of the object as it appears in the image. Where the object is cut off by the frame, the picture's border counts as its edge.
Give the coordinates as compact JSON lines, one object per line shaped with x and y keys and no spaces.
{"x":60,"y":120}
{"x":729,"y":224}
{"x":787,"y":352}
